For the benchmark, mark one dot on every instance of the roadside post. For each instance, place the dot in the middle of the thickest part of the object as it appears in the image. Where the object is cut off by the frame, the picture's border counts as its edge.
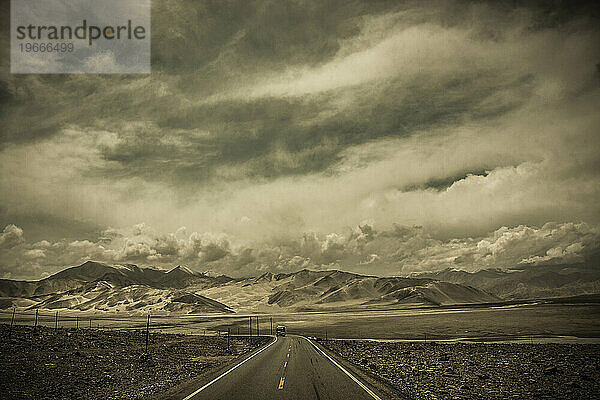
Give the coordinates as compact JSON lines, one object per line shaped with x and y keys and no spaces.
{"x":56,"y":321}
{"x":147,"y":332}
{"x":12,"y":322}
{"x":36,"y":320}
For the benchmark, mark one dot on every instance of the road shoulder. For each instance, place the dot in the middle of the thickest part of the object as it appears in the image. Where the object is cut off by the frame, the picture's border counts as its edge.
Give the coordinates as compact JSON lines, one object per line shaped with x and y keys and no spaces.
{"x":383,"y":388}
{"x":183,"y":389}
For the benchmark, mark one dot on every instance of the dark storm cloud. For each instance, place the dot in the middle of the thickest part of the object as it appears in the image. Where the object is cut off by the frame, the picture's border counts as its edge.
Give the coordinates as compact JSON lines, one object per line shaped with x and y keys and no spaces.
{"x":442,"y":184}
{"x":204,"y":45}
{"x":266,"y":120}
{"x":271,"y":137}
{"x":201,"y":48}
{"x":249,"y":35}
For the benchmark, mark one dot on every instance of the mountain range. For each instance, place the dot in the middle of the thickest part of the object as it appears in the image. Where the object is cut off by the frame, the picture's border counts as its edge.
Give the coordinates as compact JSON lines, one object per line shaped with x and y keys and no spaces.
{"x":95,"y":286}
{"x":529,"y":281}
{"x":101,"y":287}
{"x":320,"y":290}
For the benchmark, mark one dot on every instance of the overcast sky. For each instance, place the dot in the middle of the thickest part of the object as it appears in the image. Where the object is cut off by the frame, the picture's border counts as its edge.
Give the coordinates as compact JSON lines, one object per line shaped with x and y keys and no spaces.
{"x":381,"y":138}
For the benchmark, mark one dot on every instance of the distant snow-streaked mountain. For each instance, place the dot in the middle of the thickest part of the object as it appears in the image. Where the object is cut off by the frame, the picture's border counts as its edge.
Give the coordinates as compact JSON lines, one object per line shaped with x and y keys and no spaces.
{"x":101,"y":296}
{"x":118,"y":275}
{"x":308,"y":289}
{"x":527,"y":282}
{"x":100,"y":287}
{"x":96,"y":286}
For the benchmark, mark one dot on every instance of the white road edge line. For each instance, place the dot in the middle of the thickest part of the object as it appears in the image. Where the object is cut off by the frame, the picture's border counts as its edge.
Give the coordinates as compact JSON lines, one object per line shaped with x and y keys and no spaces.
{"x":188,"y":397}
{"x":362,"y":385}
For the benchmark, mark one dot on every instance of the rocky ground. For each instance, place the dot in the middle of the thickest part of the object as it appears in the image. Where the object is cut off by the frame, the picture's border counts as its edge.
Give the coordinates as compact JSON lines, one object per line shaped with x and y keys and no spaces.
{"x":480,"y":371}
{"x":96,"y":364}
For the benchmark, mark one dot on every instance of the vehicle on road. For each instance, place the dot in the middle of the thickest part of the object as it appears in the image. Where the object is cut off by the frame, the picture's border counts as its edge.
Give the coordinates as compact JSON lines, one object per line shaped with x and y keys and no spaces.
{"x":280,"y":330}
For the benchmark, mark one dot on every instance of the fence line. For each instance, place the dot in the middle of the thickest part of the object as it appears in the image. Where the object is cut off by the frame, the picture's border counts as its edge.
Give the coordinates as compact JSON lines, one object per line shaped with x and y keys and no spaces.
{"x":61,"y":327}
{"x":67,"y":319}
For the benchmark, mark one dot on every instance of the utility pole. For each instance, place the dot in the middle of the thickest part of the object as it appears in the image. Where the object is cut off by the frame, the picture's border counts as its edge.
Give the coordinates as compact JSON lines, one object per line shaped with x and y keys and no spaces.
{"x":271,"y":318}
{"x":56,"y":321}
{"x":147,"y":332}
{"x":90,"y":323}
{"x":36,"y":320}
{"x":250,"y":328}
{"x":228,"y":341}
{"x":77,"y":322}
{"x":257,"y":328}
{"x":12,"y":322}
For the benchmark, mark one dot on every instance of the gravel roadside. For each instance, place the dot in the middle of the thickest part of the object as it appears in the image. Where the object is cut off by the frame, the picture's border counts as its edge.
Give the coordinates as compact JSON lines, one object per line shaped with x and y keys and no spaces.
{"x":97,"y":364}
{"x":479,"y":371}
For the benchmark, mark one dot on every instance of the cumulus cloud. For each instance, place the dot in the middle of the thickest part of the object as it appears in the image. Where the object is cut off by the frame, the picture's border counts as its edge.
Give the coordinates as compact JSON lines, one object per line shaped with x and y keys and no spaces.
{"x":11,"y":236}
{"x":206,"y":247}
{"x":401,"y":250}
{"x":34,"y":253}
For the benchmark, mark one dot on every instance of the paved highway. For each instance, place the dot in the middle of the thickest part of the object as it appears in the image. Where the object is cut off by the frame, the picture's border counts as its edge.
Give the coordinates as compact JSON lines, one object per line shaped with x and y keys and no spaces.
{"x":290,"y":368}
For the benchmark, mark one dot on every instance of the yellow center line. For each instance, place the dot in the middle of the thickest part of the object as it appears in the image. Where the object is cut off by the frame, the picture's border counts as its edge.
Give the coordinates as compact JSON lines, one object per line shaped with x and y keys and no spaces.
{"x":288,"y":355}
{"x":285,"y":365}
{"x":281,"y":383}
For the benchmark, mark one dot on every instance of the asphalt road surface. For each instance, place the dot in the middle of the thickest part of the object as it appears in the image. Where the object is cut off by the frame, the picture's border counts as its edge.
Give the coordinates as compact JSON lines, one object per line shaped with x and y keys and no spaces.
{"x":289,"y":368}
